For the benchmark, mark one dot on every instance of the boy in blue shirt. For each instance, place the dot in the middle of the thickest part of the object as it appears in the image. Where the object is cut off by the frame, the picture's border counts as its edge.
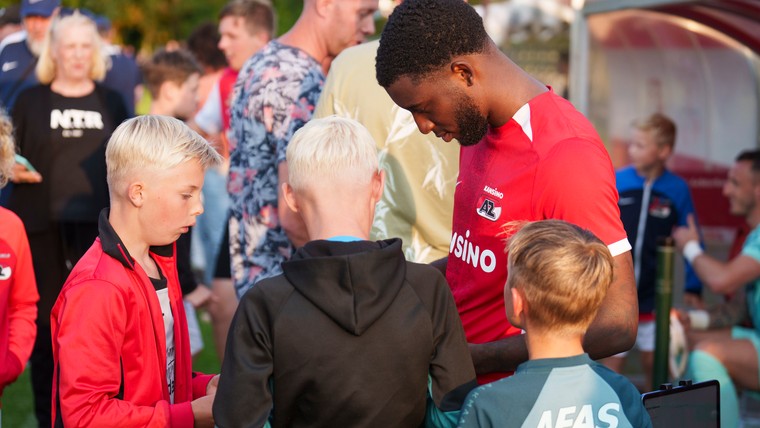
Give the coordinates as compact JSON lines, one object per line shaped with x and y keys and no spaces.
{"x":652,"y":202}
{"x":558,"y":277}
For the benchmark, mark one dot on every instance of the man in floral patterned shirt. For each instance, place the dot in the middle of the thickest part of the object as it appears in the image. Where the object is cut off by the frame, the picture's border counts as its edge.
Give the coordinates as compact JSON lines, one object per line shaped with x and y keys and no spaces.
{"x":274,"y":96}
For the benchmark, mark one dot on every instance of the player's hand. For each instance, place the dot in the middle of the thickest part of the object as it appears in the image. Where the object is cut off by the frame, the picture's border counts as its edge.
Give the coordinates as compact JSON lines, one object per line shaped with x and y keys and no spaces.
{"x":20,"y":174}
{"x":212,"y":385}
{"x":202,"y":411}
{"x":684,"y":234}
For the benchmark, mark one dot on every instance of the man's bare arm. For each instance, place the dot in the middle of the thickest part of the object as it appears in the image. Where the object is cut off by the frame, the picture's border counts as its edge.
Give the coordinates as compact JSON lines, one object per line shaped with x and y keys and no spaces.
{"x":726,"y":277}
{"x":614,"y":328}
{"x":501,"y":356}
{"x":721,"y":277}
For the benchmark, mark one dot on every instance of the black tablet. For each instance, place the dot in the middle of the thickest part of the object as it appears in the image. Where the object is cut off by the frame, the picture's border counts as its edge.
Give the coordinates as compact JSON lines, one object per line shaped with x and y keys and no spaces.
{"x":689,"y":405}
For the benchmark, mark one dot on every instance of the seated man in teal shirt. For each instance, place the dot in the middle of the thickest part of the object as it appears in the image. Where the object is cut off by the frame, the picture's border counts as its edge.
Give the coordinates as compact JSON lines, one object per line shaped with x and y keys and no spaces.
{"x":725,"y":351}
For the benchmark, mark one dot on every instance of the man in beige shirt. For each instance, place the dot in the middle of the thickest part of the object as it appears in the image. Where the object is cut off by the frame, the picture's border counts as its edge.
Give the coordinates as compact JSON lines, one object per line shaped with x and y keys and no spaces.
{"x":421,"y":173}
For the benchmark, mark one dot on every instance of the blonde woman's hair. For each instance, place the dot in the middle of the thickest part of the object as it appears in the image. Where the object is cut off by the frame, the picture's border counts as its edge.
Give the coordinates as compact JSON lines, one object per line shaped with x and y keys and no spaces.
{"x":7,"y":149}
{"x":564,"y":272}
{"x":46,"y":67}
{"x":331,"y":150}
{"x":153,"y":142}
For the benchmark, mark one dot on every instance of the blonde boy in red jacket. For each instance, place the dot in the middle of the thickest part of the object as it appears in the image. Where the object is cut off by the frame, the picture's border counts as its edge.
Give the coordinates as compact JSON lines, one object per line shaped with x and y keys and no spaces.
{"x":120,"y":342}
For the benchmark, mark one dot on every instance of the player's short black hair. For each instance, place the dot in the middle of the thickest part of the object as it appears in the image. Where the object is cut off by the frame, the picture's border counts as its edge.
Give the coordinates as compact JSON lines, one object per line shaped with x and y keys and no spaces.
{"x":422,"y":35}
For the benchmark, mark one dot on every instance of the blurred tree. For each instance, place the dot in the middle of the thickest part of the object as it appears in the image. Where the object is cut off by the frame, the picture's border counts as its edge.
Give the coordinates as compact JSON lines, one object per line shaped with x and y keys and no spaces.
{"x":147,"y":24}
{"x":287,"y":13}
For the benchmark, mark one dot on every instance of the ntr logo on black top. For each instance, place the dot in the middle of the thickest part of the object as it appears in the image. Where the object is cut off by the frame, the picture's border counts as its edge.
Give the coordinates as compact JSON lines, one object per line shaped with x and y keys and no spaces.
{"x":74,"y":122}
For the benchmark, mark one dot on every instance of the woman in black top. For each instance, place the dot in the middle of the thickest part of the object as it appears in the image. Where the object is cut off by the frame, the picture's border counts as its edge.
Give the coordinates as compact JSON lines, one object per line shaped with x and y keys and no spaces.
{"x":62,"y":127}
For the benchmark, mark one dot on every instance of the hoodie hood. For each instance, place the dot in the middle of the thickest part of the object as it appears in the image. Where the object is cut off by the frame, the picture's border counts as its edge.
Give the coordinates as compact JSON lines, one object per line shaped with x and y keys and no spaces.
{"x":351,"y":282}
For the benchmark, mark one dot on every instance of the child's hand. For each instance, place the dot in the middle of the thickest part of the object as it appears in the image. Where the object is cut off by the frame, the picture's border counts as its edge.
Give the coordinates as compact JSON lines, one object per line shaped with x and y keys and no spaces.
{"x":201,"y":296}
{"x":202,"y":411}
{"x":20,"y":174}
{"x":212,"y":385}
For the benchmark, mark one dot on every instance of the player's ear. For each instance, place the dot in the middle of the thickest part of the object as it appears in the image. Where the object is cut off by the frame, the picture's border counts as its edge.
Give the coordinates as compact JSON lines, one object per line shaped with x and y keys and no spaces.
{"x":290,"y":197}
{"x":463,"y":71}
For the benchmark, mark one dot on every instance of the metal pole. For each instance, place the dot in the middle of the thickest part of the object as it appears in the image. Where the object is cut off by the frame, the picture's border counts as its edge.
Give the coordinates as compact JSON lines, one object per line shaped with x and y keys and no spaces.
{"x":663,"y":304}
{"x":578,"y":79}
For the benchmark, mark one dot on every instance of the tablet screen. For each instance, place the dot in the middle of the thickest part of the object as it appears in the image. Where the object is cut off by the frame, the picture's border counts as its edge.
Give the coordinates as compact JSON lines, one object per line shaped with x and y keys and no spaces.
{"x":695,"y":406}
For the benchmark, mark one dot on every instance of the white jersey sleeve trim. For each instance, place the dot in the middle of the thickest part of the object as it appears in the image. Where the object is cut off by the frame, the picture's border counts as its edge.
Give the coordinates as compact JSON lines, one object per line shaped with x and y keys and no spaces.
{"x":619,"y":247}
{"x":522,"y":117}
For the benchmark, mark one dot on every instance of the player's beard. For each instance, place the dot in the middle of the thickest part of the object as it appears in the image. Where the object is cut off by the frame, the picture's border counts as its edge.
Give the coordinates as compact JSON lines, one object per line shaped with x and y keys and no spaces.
{"x":472,"y":125}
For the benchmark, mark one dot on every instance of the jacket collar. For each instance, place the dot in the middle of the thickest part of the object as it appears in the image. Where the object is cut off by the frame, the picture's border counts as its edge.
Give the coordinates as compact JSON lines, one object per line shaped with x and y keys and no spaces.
{"x":112,"y":245}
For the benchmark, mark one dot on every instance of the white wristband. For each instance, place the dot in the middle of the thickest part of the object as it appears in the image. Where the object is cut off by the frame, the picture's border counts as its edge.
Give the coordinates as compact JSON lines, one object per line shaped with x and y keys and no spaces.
{"x":699,"y":319}
{"x":691,"y":250}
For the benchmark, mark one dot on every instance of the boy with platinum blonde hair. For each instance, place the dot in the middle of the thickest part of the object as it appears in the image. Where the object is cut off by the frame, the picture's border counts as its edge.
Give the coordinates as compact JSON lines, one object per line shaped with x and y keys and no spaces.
{"x":559,"y":275}
{"x":121,"y":308}
{"x":340,"y":153}
{"x":350,"y":334}
{"x":151,"y":144}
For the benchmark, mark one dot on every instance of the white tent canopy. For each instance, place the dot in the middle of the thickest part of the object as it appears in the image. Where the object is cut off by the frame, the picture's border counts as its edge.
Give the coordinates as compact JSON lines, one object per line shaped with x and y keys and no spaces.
{"x":696,"y":61}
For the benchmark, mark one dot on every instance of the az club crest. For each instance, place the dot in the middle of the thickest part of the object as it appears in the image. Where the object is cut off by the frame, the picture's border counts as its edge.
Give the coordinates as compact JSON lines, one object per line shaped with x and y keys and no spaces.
{"x":488,"y":208}
{"x":5,"y":272}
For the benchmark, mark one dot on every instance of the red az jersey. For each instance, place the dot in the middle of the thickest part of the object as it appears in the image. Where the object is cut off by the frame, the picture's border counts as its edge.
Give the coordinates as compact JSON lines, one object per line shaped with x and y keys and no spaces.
{"x":547,"y":162}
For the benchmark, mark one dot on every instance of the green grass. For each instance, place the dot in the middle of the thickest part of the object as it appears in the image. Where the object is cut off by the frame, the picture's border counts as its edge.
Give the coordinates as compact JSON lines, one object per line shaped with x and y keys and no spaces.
{"x":18,"y":405}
